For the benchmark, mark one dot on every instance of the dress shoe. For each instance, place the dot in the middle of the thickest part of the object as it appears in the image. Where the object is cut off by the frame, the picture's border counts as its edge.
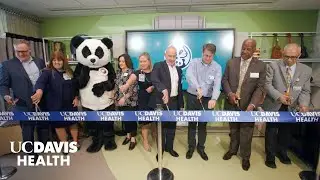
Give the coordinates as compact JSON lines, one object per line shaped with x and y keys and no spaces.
{"x":284,"y":159}
{"x":132,"y":145}
{"x":228,"y":155}
{"x":203,"y":154}
{"x":94,"y":147}
{"x":245,"y":165}
{"x":270,"y":164}
{"x":173,"y":153}
{"x":157,"y":156}
{"x":126,"y":141}
{"x":110,"y":145}
{"x":189,"y":154}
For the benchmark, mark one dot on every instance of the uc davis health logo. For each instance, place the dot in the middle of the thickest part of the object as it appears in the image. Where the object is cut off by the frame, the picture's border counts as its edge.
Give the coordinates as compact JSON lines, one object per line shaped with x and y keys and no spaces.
{"x":184,"y":55}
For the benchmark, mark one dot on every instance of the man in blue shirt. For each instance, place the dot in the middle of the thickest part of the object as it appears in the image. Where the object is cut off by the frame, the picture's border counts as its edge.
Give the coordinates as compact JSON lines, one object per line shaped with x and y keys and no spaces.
{"x":204,"y":82}
{"x":20,"y":75}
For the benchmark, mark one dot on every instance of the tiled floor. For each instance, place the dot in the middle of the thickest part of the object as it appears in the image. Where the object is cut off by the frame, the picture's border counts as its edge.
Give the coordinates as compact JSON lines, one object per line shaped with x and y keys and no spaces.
{"x":123,"y":164}
{"x":137,"y":164}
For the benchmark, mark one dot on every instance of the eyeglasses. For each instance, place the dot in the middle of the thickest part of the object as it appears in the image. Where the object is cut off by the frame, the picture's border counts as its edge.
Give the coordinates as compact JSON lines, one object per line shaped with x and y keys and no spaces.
{"x":290,"y":57}
{"x":23,"y":51}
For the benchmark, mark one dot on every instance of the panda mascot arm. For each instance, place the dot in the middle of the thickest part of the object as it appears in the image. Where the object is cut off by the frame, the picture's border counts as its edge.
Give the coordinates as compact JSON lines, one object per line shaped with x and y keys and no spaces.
{"x":99,"y":88}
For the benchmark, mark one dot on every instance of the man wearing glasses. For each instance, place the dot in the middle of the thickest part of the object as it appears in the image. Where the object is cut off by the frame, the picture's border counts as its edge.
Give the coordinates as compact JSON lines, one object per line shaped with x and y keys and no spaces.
{"x":20,"y":74}
{"x":288,"y":89}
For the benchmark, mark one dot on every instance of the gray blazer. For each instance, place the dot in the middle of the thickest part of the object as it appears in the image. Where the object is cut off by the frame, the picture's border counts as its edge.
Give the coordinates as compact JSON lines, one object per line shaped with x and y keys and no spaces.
{"x":276,"y":85}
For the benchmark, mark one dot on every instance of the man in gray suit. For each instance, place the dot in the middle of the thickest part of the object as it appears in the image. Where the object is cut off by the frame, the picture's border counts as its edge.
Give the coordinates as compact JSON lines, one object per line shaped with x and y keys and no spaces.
{"x":243,"y":83}
{"x":288,"y":89}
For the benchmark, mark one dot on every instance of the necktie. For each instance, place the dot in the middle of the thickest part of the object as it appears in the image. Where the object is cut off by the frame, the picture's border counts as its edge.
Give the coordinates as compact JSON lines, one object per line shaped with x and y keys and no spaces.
{"x":289,"y":79}
{"x":243,"y":70}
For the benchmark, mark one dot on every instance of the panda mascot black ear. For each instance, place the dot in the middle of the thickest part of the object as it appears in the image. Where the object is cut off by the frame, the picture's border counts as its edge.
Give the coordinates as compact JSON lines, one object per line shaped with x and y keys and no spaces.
{"x":76,"y":41}
{"x":107,"y":42}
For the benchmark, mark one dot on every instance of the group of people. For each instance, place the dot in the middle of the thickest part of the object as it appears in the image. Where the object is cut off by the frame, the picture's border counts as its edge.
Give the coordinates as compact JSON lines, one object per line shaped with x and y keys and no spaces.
{"x":247,"y":82}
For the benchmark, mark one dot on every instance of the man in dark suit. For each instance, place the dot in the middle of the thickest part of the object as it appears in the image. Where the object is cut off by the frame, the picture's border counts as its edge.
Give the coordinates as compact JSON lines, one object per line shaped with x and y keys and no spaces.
{"x":166,"y":78}
{"x":20,"y":74}
{"x":288,"y":88}
{"x":243,"y":83}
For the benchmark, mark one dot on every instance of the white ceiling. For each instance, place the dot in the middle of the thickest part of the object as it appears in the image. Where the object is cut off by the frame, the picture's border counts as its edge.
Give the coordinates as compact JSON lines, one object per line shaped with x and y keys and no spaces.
{"x":58,"y":8}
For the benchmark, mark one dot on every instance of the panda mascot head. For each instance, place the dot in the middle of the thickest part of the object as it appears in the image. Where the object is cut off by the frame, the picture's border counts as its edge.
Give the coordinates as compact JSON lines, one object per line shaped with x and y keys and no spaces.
{"x":94,"y":72}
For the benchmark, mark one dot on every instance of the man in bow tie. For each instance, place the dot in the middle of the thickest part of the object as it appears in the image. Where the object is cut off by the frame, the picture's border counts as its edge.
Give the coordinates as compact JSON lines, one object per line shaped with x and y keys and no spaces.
{"x":288,"y":89}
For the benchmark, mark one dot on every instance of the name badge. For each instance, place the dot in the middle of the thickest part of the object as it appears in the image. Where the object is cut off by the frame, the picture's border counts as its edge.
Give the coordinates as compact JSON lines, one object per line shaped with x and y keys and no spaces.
{"x":125,"y":74}
{"x":66,"y":76}
{"x":142,"y":77}
{"x":297,"y":88}
{"x":254,"y":75}
{"x":211,"y":77}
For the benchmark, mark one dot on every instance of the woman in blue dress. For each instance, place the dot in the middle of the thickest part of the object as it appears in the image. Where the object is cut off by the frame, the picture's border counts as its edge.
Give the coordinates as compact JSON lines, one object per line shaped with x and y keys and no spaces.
{"x":59,"y":90}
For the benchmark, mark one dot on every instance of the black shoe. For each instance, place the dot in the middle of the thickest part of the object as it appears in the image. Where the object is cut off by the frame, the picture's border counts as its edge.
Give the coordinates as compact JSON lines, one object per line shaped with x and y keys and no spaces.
{"x":157,"y":156}
{"x":284,"y":159}
{"x":245,"y":165}
{"x":270,"y":164}
{"x":189,"y":154}
{"x":94,"y":147}
{"x":203,"y":154}
{"x":126,"y":141}
{"x":110,"y":145}
{"x":173,"y":153}
{"x":228,"y":155}
{"x":132,"y":145}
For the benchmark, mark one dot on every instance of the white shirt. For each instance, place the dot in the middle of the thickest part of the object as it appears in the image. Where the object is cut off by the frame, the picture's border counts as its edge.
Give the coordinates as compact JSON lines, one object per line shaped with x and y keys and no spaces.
{"x":174,"y":80}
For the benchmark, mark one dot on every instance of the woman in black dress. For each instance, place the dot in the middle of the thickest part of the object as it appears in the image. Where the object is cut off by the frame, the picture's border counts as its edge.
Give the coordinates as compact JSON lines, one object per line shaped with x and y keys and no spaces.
{"x":59,"y":90}
{"x":143,"y":76}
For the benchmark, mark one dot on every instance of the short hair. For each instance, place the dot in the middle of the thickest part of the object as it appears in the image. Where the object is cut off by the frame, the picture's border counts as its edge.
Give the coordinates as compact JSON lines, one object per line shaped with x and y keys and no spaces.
{"x":171,"y":47}
{"x":127,"y":60}
{"x":252,"y":40}
{"x":290,"y":45}
{"x":23,"y":41}
{"x":210,"y":47}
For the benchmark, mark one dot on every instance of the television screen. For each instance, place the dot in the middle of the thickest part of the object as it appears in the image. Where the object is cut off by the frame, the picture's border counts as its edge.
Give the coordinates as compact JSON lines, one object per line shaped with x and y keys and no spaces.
{"x":187,"y":42}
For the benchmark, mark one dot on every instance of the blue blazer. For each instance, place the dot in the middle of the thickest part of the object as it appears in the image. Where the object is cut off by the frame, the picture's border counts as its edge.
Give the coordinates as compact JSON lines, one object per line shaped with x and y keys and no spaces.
{"x":15,"y":77}
{"x":58,"y":93}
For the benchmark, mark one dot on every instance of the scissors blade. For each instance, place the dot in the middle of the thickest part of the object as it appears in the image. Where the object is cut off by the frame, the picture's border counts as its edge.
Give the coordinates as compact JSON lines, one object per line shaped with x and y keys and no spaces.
{"x":201,"y":104}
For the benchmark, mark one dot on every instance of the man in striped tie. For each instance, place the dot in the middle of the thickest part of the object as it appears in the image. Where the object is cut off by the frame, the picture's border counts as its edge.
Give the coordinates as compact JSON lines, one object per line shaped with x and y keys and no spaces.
{"x":288,"y":89}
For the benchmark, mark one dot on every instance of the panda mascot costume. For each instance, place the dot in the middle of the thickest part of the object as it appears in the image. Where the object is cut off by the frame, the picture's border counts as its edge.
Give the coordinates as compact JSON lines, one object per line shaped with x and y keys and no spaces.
{"x":96,"y":77}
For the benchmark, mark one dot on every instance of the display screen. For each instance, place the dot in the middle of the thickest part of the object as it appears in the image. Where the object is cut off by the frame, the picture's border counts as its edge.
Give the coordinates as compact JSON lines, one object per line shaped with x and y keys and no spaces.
{"x":187,"y":42}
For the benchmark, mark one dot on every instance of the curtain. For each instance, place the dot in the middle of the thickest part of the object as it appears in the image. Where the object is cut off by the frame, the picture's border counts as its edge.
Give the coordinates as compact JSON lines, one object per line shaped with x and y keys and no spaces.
{"x":36,"y":45}
{"x":18,"y":24}
{"x":3,"y":30}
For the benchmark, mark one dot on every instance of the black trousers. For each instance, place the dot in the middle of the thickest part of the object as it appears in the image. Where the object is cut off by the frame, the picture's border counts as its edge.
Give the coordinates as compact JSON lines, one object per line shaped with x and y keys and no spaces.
{"x":169,"y":128}
{"x":194,"y":104}
{"x":129,"y":126}
{"x":28,"y":128}
{"x":277,"y":138}
{"x":100,"y":130}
